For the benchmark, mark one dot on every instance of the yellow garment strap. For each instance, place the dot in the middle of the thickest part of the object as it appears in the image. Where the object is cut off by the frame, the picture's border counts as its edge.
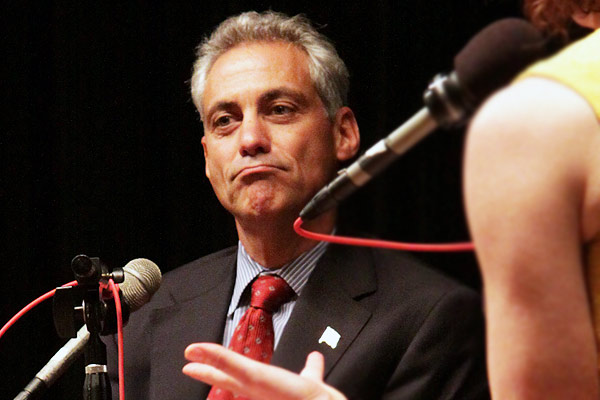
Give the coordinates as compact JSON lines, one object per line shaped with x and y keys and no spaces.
{"x":576,"y":66}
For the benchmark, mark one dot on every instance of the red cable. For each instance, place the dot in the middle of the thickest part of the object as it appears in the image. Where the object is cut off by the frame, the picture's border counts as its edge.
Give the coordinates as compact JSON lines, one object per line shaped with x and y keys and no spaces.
{"x":30,"y":306}
{"x":115,"y":290}
{"x":433,"y":247}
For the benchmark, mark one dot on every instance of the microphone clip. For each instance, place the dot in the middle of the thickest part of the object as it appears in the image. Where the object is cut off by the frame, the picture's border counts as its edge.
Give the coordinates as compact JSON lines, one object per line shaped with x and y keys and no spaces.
{"x":447,"y":102}
{"x":89,"y":302}
{"x":92,"y":271}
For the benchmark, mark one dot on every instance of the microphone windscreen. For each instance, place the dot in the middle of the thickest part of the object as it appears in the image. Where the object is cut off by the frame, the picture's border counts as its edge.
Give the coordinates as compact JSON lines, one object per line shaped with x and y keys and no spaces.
{"x":494,"y":56}
{"x":142,"y":280}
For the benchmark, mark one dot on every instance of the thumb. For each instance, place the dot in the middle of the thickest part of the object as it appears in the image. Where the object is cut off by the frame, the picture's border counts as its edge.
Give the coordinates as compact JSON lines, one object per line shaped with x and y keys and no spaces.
{"x":313,"y":369}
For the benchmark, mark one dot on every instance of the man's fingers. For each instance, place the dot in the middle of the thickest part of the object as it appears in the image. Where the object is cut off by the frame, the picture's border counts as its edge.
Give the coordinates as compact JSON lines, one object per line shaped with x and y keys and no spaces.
{"x":226,"y":369}
{"x":313,"y":369}
{"x":220,"y":358}
{"x":211,"y":375}
{"x":249,"y":376}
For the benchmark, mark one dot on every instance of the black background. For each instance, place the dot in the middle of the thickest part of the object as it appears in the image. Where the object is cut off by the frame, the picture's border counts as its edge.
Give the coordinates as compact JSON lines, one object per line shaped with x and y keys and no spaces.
{"x":101,"y":149}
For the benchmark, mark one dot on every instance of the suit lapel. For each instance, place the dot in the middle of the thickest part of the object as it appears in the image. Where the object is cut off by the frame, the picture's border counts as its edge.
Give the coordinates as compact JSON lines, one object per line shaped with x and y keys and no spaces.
{"x":328,"y":302}
{"x":190,"y":320}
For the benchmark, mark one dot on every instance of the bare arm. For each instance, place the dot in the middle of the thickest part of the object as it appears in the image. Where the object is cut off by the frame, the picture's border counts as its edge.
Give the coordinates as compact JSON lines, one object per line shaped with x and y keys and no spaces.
{"x":527,"y":167}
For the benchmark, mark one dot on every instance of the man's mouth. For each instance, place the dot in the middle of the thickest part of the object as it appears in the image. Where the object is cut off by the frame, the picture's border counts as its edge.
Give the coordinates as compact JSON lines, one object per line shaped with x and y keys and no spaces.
{"x":256,"y":169}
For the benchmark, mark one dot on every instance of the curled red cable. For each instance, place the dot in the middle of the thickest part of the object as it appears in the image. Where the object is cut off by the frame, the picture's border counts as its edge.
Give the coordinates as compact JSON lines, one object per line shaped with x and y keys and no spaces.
{"x":386,"y":244}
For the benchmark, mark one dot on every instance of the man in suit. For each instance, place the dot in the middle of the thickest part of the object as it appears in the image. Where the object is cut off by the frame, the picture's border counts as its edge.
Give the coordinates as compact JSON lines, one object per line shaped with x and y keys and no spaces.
{"x":271,"y":92}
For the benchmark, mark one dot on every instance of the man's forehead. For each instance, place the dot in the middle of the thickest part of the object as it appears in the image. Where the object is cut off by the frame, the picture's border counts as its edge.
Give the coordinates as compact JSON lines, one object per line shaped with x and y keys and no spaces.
{"x":249,"y":50}
{"x":276,"y":58}
{"x":257,"y":67}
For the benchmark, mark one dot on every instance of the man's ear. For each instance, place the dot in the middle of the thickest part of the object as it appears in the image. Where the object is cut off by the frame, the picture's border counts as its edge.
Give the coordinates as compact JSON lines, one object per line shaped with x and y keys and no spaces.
{"x":205,"y":157}
{"x":586,"y":19}
{"x":346,"y":134}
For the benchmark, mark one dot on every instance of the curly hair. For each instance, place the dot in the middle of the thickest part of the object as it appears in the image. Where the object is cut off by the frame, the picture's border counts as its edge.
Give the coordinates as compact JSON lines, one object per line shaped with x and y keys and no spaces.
{"x":554,"y":16}
{"x":327,"y":70}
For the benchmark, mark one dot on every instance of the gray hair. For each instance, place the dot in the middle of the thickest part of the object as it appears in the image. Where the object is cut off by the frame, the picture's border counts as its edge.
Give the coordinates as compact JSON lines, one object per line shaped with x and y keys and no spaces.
{"x":327,"y":70}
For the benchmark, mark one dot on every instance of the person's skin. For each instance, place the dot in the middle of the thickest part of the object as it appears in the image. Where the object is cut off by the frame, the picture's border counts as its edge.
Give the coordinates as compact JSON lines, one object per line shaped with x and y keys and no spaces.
{"x":532,"y":191}
{"x":270,"y":145}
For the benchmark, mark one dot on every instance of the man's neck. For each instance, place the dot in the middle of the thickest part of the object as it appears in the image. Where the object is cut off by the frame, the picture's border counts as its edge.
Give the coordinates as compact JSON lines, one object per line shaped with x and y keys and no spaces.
{"x":273,"y":242}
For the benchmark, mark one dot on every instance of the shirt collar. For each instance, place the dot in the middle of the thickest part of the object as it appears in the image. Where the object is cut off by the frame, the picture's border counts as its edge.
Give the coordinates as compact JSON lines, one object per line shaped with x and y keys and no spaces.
{"x":295,"y":273}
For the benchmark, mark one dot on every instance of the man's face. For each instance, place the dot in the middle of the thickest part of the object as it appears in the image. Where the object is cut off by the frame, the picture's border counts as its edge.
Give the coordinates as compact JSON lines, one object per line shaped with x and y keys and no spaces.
{"x":268,"y":142}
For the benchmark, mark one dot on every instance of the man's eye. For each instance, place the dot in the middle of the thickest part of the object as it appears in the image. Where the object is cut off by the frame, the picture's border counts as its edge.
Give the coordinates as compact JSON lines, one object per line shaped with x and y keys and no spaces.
{"x":223,"y":121}
{"x":280,"y":110}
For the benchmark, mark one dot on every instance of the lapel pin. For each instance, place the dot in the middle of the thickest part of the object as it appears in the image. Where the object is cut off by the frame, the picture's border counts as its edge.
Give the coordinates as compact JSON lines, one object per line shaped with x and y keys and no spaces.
{"x":331,"y":337}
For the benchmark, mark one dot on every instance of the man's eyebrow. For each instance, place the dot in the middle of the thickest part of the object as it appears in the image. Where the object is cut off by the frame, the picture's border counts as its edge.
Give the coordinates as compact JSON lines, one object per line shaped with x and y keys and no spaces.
{"x":269,"y":95}
{"x":220,"y":105}
{"x":276,"y":93}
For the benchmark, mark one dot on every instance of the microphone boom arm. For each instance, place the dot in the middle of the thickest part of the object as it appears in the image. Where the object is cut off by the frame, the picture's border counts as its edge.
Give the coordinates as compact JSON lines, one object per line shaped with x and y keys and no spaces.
{"x":376,"y":159}
{"x":57,"y":365}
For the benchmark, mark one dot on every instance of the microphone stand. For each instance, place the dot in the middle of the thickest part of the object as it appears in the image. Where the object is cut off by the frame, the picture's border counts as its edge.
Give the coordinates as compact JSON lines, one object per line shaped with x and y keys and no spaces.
{"x":96,"y":385}
{"x":89,"y":272}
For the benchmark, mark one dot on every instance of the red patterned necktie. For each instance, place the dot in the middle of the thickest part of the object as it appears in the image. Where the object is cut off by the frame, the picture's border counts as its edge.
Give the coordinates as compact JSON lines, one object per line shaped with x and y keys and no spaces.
{"x":254,"y":336}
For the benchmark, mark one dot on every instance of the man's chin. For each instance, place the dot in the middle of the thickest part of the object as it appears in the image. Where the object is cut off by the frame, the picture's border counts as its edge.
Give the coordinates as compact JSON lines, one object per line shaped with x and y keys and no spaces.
{"x":267,"y":209}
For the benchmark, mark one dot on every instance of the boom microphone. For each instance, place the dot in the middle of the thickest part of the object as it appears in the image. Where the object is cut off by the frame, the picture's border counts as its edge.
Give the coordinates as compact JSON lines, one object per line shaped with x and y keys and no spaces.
{"x":489,"y":61}
{"x":142,"y":280}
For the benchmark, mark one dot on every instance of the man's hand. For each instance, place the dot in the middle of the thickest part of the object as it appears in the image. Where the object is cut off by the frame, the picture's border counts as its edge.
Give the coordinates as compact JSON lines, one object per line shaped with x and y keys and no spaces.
{"x":216,"y":365}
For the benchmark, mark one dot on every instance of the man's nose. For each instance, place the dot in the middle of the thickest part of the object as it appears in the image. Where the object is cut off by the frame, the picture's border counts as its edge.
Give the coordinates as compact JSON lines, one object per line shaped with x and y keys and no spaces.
{"x":254,"y":137}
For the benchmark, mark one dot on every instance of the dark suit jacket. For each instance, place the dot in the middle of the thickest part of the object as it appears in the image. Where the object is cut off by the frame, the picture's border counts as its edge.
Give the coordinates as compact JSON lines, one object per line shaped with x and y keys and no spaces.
{"x":407,"y":332}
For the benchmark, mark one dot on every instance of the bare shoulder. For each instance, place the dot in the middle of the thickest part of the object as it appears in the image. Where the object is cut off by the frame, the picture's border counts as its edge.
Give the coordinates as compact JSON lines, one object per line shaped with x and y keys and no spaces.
{"x":545,"y":135}
{"x":537,"y":109}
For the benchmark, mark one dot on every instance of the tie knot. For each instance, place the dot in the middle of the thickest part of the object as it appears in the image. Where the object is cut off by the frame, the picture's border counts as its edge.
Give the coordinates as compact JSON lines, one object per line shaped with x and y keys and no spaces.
{"x":269,"y":292}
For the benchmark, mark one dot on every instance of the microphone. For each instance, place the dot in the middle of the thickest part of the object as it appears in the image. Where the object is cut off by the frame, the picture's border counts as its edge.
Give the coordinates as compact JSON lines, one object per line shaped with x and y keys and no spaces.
{"x":487,"y":62}
{"x":142,"y":280}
